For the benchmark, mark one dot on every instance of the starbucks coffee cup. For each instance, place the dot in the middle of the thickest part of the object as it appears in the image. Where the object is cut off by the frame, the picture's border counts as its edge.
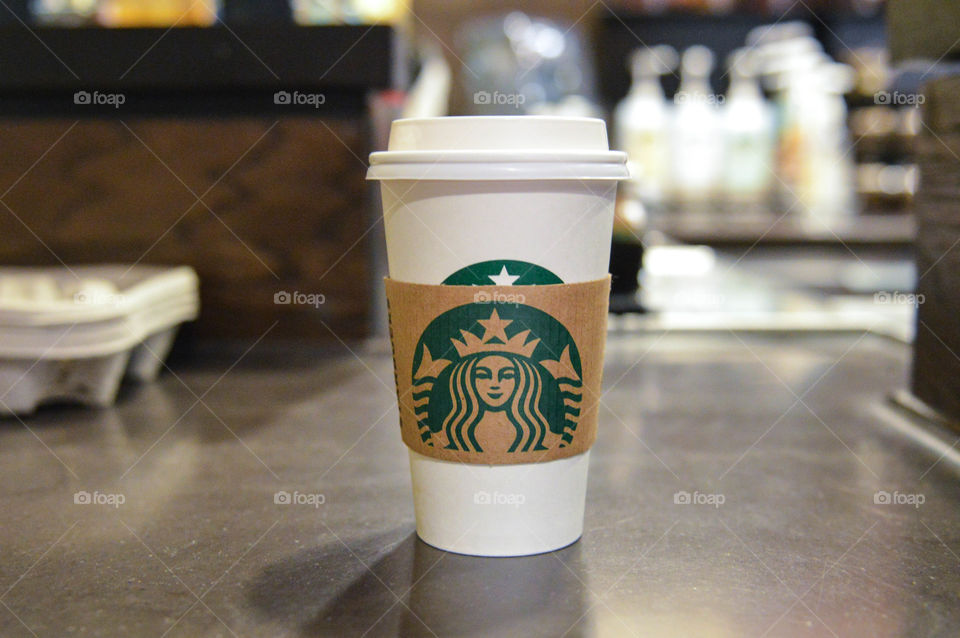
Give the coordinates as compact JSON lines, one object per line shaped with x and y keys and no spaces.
{"x":493,"y":390}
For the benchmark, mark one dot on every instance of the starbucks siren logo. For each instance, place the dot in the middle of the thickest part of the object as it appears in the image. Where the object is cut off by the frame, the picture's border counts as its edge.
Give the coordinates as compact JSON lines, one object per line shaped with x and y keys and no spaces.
{"x":507,"y":379}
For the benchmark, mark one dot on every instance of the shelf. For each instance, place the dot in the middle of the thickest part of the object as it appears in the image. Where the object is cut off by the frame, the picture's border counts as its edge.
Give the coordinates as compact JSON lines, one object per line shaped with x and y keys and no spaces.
{"x":720,"y":229}
{"x":218,"y":68}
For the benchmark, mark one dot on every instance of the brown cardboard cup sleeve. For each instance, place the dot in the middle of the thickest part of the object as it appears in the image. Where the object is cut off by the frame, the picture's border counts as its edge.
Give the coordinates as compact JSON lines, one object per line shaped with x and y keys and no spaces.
{"x":498,"y":374}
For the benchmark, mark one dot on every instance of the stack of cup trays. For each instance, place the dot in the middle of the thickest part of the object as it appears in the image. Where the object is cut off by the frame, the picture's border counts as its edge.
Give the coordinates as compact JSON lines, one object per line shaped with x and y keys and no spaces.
{"x":72,"y":333}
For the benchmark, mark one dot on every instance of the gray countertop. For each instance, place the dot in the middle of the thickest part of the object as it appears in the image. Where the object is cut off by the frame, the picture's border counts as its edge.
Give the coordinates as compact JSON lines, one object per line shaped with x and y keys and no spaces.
{"x":790,"y":432}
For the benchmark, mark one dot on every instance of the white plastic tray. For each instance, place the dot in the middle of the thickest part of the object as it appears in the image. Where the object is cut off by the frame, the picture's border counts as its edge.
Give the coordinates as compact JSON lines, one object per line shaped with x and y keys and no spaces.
{"x":72,"y":334}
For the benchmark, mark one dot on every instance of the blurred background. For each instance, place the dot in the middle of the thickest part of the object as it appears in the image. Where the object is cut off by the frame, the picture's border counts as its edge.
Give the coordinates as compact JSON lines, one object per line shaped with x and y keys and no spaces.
{"x":777,"y":148}
{"x":785,"y":326}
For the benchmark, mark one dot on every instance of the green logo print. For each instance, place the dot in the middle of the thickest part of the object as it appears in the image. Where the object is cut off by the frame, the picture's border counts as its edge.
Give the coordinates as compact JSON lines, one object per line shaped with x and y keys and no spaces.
{"x":505,"y":378}
{"x":502,"y":272}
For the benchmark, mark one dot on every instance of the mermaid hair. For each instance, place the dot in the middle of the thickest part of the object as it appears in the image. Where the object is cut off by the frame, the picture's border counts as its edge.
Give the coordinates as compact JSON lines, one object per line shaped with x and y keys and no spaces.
{"x":535,"y":393}
{"x":466,"y":409}
{"x":525,"y":413}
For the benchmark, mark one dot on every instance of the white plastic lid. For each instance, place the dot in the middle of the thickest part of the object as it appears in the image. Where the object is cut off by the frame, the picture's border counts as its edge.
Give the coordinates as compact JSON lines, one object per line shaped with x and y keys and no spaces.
{"x":525,"y":147}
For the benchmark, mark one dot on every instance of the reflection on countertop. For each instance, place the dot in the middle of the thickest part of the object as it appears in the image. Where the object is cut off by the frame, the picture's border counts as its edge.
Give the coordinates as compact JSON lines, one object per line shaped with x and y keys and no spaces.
{"x":793,"y":431}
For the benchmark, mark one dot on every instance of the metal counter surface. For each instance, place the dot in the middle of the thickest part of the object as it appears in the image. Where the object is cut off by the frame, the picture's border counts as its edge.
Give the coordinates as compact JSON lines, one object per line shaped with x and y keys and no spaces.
{"x":790,"y":432}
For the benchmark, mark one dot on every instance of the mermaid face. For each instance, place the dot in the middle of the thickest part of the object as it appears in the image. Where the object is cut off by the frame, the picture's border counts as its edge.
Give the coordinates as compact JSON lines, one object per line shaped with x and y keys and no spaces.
{"x":495,"y":379}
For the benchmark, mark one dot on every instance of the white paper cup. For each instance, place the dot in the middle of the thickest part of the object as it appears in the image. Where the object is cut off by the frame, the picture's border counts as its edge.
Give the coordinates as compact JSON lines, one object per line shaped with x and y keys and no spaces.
{"x":468,"y":191}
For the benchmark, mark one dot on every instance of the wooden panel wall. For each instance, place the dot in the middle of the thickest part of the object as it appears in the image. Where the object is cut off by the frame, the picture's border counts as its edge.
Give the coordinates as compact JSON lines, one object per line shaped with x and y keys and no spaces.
{"x":256,"y":206}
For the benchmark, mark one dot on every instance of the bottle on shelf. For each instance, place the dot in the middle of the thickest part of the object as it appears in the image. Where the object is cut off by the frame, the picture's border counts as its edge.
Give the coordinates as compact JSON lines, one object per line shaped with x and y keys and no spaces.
{"x":696,"y":140}
{"x":817,"y":172}
{"x":749,"y":133}
{"x":63,"y":12}
{"x":315,"y":12}
{"x":641,"y":122}
{"x":154,"y":13}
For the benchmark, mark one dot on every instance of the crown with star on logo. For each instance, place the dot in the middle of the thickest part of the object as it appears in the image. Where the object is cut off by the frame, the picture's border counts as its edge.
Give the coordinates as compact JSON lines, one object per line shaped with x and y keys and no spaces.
{"x":495,"y":339}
